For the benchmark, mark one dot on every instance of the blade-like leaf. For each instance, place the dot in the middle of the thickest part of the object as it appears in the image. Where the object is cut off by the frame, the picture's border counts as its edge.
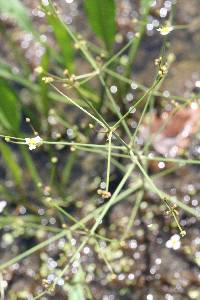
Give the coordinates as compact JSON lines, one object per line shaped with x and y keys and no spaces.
{"x":11,"y":162}
{"x":62,"y":37}
{"x":9,"y":108}
{"x":17,"y":11}
{"x":101,"y":15}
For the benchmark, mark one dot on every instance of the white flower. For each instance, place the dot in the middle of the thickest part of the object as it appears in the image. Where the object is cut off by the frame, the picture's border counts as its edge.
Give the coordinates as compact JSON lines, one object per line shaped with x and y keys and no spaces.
{"x":34,"y":143}
{"x":164,"y":30}
{"x":174,"y":242}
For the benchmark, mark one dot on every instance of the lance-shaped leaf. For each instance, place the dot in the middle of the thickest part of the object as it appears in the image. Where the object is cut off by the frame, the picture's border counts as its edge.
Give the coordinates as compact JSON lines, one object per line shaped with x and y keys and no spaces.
{"x":62,"y":37}
{"x":101,"y":15}
{"x":9,"y":108}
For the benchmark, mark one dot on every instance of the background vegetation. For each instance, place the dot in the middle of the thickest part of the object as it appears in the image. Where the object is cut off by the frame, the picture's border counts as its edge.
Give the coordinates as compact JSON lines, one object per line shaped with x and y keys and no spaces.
{"x":99,"y":150}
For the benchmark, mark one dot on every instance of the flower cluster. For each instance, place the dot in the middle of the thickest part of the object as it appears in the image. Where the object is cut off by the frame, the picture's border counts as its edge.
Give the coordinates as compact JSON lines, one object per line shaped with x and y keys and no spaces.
{"x":48,"y":285}
{"x":34,"y":143}
{"x":104,"y":194}
{"x":47,"y":79}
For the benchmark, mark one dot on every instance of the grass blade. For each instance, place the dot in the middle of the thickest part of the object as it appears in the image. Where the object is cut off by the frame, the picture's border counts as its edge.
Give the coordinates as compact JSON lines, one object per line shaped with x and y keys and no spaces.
{"x":101,"y":15}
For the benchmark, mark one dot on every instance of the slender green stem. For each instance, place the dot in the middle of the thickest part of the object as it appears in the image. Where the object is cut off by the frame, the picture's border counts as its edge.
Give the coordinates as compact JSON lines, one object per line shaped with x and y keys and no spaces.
{"x":114,"y":57}
{"x":77,"y":105}
{"x":116,"y":109}
{"x":109,"y":160}
{"x":133,"y":214}
{"x":133,"y":106}
{"x":32,"y":250}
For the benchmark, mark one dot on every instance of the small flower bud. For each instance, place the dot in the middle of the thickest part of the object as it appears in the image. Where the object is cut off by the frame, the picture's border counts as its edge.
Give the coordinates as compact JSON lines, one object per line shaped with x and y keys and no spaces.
{"x":104,"y":194}
{"x":54,"y":160}
{"x":47,"y":79}
{"x":39,"y":70}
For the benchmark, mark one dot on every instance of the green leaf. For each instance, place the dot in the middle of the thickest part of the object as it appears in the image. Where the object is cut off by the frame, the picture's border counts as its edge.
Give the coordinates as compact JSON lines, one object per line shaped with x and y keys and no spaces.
{"x":145,"y":5}
{"x":101,"y":15}
{"x":9,"y":108}
{"x":62,"y":37}
{"x":11,"y":162}
{"x":76,"y":291}
{"x":17,"y":11}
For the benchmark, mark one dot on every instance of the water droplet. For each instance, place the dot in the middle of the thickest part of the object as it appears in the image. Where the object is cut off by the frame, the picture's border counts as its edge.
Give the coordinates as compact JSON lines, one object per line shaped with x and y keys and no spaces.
{"x":129,"y":97}
{"x":22,"y":210}
{"x":161,"y":165}
{"x":149,"y":297}
{"x":70,"y":133}
{"x":131,"y":276}
{"x":195,"y":202}
{"x":163,"y":12}
{"x":86,"y":250}
{"x":166,"y":93}
{"x":134,"y":85}
{"x":132,"y":244}
{"x":168,"y":4}
{"x":121,"y":276}
{"x":113,"y":89}
{"x":158,"y":261}
{"x":150,"y":26}
{"x":60,"y":281}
